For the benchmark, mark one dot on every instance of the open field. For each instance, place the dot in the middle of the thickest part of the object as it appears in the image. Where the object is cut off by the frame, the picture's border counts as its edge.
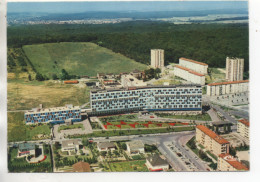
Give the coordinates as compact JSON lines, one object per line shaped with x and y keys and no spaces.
{"x":18,"y":131}
{"x":77,"y":59}
{"x":23,"y":95}
{"x":216,"y":75}
{"x":131,"y":166}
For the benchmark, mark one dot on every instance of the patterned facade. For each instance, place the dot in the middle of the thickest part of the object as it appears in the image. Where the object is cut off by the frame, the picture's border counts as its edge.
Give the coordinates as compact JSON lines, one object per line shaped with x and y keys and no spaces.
{"x":53,"y":115}
{"x":163,"y":98}
{"x":234,"y":69}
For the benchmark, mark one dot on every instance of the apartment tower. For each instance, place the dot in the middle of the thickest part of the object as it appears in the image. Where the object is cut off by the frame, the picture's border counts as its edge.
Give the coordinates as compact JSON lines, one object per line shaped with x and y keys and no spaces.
{"x":234,"y":69}
{"x":157,"y":58}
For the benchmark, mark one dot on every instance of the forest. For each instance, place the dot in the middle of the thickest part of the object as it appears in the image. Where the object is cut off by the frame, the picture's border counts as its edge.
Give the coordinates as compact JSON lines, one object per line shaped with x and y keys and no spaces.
{"x":209,"y":43}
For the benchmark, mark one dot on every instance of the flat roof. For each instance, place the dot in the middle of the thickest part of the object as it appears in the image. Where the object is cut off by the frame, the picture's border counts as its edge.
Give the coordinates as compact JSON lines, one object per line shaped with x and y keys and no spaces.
{"x":193,"y":61}
{"x":69,"y":143}
{"x":136,"y":144}
{"x":233,"y":162}
{"x":54,"y":109}
{"x":189,"y":70}
{"x":145,"y":87}
{"x":244,"y":121}
{"x":212,"y":134}
{"x":26,"y":146}
{"x":226,"y":83}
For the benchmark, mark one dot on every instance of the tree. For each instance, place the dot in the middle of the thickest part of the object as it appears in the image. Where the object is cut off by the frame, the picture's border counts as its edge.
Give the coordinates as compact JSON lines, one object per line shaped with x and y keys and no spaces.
{"x":39,"y":77}
{"x":29,"y":77}
{"x":64,"y":75}
{"x":123,"y":145}
{"x":232,"y":151}
{"x":103,"y":153}
{"x":54,"y":76}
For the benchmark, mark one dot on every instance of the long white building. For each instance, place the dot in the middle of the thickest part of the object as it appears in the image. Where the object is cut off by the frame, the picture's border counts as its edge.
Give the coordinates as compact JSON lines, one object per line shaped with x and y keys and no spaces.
{"x":178,"y":98}
{"x":189,"y":75}
{"x":157,"y":58}
{"x":234,"y":69}
{"x":196,"y":66}
{"x":222,"y":88}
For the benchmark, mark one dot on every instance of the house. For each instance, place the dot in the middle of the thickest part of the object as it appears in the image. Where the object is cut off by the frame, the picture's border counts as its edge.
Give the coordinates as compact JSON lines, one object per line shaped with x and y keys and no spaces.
{"x":226,"y":162}
{"x":70,"y":146}
{"x":81,"y":167}
{"x":135,"y":147}
{"x":26,"y":149}
{"x":156,"y":163}
{"x":105,"y":146}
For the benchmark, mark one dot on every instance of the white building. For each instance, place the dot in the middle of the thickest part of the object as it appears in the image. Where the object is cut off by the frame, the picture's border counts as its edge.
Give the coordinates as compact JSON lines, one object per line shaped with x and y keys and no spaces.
{"x":70,"y":146}
{"x":196,"y":66}
{"x":222,"y":88}
{"x":189,"y":75}
{"x":226,"y":162}
{"x":106,"y":146}
{"x":157,"y":58}
{"x":135,"y":147}
{"x":156,"y":163}
{"x":243,"y":128}
{"x":234,"y":69}
{"x":131,"y":81}
{"x":26,"y":149}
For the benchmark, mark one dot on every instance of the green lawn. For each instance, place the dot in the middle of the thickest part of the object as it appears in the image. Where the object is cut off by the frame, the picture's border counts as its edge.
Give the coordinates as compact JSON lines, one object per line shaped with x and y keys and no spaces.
{"x":125,"y":117}
{"x":78,"y":59}
{"x":201,"y":117}
{"x":19,"y":131}
{"x":74,"y":126}
{"x":129,"y":166}
{"x":212,"y":155}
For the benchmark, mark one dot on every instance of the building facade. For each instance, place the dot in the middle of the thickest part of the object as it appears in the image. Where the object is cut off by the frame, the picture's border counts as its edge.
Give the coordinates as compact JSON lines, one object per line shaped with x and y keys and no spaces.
{"x":196,"y":66}
{"x":157,"y":58}
{"x":156,"y":98}
{"x":222,"y":88}
{"x":189,"y":75}
{"x":226,"y":162}
{"x":211,"y":141}
{"x":243,"y":128}
{"x":234,"y":69}
{"x":53,"y":115}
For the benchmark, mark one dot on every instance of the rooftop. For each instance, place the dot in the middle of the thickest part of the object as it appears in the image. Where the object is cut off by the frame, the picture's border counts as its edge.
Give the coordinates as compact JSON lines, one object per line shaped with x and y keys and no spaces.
{"x":212,"y":134}
{"x":26,"y":146}
{"x":106,"y":145}
{"x":156,"y":160}
{"x":81,"y":167}
{"x":233,"y":162}
{"x":136,"y":144}
{"x":197,"y":62}
{"x":145,"y":87}
{"x":244,"y":121}
{"x":226,"y":83}
{"x":54,"y":109}
{"x":189,"y":70}
{"x":69,"y":143}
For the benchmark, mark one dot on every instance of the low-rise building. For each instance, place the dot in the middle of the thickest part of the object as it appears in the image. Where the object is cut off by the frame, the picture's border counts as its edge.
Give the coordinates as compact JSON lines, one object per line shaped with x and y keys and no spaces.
{"x":53,"y":115}
{"x":189,"y":75}
{"x":81,"y":167}
{"x":222,"y":88}
{"x":70,"y":146}
{"x":211,"y":141}
{"x":226,"y":162}
{"x":26,"y":149}
{"x":135,"y":147}
{"x":131,"y":81}
{"x":196,"y":66}
{"x":106,"y":146}
{"x":137,"y":74}
{"x":243,"y":128}
{"x":156,"y":163}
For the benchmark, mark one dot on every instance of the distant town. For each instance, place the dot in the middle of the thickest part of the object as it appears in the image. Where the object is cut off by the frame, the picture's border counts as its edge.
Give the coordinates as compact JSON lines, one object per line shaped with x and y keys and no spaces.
{"x":174,"y":121}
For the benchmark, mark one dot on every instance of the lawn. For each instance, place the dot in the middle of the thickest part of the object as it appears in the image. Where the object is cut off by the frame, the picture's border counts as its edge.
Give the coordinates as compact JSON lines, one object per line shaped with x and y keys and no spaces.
{"x":24,"y":95}
{"x":201,"y":117}
{"x":19,"y":131}
{"x":133,"y":132}
{"x":123,"y":117}
{"x":129,"y":166}
{"x":74,"y":126}
{"x":216,"y":75}
{"x":78,"y":58}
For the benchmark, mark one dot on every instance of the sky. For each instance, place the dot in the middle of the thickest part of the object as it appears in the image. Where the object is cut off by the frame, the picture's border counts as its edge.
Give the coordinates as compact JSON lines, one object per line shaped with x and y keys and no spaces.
{"x":78,"y":7}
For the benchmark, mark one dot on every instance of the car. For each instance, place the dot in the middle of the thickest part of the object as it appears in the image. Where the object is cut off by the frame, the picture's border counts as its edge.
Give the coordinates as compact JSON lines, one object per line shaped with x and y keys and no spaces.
{"x":151,"y":116}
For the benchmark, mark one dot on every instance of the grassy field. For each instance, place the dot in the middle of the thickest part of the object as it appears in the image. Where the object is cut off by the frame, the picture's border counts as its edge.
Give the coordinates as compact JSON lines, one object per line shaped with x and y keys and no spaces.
{"x":78,"y":59}
{"x":74,"y":126}
{"x":18,"y":131}
{"x":129,"y":166}
{"x":23,"y":95}
{"x":201,"y":117}
{"x":217,"y":75}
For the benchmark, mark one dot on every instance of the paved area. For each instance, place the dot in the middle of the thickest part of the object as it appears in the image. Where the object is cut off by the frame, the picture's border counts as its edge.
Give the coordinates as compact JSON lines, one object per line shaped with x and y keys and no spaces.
{"x":63,"y":133}
{"x":231,"y":99}
{"x":213,"y":115}
{"x":234,"y":139}
{"x":243,"y":155}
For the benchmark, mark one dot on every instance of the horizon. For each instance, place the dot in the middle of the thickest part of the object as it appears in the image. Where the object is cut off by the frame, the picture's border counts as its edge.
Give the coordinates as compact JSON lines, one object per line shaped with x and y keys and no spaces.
{"x":116,"y":6}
